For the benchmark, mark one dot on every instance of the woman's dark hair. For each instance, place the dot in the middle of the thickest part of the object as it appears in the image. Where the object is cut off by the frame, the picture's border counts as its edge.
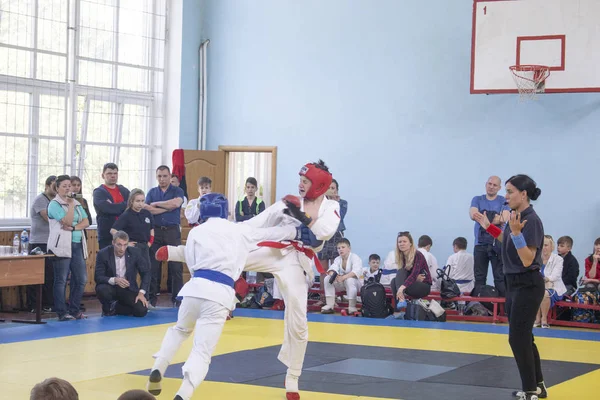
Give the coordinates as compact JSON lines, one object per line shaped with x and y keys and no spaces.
{"x":337,"y":187}
{"x":523,"y":182}
{"x":252,"y":181}
{"x":60,"y":179}
{"x":596,"y":243}
{"x":77,"y":179}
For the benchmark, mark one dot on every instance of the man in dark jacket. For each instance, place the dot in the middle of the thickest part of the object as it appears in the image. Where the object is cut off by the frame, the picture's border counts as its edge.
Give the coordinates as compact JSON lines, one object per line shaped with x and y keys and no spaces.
{"x":110,"y":200}
{"x":116,"y":272}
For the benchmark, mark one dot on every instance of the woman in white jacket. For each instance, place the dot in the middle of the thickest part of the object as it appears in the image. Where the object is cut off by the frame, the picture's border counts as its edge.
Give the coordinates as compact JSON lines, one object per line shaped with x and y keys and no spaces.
{"x":552,"y":266}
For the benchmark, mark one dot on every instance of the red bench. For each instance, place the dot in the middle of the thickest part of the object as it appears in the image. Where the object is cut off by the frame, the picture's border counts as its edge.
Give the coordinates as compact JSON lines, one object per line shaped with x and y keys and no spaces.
{"x":498,"y":314}
{"x":451,"y":315}
{"x":574,"y":324}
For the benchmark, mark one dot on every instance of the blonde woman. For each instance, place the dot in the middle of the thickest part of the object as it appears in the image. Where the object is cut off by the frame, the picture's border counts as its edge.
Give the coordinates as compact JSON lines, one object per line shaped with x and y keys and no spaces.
{"x":413,"y":278}
{"x":552,"y":266}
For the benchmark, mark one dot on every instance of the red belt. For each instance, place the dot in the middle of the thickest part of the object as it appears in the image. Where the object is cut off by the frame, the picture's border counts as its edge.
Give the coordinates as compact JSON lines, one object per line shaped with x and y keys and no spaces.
{"x":297,"y":246}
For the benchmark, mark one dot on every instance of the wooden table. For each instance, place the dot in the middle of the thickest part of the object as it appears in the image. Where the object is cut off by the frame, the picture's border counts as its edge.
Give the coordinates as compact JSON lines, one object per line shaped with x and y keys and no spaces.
{"x":23,"y":271}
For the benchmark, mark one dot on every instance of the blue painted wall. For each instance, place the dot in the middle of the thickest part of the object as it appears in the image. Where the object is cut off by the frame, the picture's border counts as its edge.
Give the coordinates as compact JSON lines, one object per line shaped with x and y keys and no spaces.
{"x":381,"y":93}
{"x":192,"y":38}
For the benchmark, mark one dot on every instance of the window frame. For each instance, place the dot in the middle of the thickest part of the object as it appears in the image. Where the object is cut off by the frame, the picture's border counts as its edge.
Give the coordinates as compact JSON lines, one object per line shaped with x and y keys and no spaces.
{"x":71,"y":90}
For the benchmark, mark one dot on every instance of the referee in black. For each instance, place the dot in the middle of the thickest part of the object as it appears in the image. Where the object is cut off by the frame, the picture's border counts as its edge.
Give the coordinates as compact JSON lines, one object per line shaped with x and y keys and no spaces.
{"x":522,"y":242}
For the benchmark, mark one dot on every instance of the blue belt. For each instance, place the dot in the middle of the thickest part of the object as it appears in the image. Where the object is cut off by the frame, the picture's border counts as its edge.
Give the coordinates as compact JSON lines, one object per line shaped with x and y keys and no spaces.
{"x":463,"y":281}
{"x":389,"y":271}
{"x":215,"y":276}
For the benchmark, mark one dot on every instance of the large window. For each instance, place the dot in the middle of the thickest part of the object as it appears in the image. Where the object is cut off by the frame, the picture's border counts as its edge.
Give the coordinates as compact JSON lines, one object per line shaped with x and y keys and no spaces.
{"x":81,"y":85}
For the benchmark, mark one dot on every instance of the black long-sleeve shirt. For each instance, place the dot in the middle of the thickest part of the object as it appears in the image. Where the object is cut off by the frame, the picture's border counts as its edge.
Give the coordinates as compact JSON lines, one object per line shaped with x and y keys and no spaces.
{"x":570,"y":271}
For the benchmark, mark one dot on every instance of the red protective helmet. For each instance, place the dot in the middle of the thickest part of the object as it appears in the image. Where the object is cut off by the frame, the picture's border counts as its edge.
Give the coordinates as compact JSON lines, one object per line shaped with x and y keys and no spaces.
{"x":319,"y":178}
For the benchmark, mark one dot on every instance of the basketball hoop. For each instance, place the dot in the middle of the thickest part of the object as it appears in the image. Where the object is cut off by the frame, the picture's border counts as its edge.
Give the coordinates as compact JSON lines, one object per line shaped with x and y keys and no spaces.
{"x":530,"y":79}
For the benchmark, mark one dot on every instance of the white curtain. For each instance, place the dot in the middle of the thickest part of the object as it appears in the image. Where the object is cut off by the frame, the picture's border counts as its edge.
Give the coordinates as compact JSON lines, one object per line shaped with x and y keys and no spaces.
{"x":243,"y":166}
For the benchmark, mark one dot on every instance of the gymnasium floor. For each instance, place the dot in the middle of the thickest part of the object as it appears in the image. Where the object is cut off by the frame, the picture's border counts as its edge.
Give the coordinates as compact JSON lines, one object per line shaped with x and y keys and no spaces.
{"x":348,"y":358}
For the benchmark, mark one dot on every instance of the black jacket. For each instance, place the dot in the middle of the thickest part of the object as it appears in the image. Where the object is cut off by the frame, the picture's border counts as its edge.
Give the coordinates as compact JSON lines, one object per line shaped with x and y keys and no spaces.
{"x":107,"y":213}
{"x":135,"y":262}
{"x":570,"y":271}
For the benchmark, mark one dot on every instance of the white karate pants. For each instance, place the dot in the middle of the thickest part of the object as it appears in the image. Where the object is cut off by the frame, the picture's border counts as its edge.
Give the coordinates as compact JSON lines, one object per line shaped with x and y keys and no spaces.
{"x":207,"y":318}
{"x":351,"y":286}
{"x":292,"y":284}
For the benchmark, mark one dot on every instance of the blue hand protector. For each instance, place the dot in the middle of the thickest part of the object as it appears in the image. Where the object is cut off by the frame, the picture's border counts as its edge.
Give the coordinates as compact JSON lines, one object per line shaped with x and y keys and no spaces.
{"x":305,"y":235}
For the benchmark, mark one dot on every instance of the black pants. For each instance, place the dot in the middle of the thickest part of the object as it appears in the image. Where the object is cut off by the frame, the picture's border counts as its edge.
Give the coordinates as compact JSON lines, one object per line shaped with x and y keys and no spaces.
{"x":126,"y":304}
{"x":47,"y":289}
{"x":145,"y":249}
{"x":164,"y":237}
{"x":417,"y":290}
{"x":102,"y":243}
{"x":484,"y":254}
{"x":524,"y":294}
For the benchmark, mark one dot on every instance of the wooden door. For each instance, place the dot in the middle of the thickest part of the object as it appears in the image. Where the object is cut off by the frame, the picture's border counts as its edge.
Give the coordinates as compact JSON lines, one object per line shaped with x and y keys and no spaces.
{"x":202,"y":163}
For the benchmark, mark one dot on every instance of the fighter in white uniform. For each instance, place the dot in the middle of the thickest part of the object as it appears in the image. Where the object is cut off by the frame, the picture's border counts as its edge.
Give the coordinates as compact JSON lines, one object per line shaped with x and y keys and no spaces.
{"x":291,"y":262}
{"x":215,"y":253}
{"x":346,"y":274}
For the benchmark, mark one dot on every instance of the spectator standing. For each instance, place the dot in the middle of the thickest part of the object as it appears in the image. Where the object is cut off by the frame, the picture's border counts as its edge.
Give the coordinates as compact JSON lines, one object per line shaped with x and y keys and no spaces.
{"x":487,"y":248}
{"x":110,"y":200}
{"x":67,"y":220}
{"x":40,"y":229}
{"x":164,"y":203}
{"x":250,"y":206}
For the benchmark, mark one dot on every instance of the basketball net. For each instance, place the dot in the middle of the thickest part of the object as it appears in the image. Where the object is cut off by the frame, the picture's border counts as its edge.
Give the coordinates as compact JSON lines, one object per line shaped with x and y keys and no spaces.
{"x":530,"y":80}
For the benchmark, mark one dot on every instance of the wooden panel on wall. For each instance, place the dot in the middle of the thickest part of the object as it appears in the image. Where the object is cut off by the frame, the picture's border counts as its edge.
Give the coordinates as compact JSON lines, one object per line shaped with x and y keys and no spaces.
{"x":204,"y":163}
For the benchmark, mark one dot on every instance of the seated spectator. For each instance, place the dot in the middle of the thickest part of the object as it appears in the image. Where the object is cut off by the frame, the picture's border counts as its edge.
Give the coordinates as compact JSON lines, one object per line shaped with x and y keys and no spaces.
{"x":192,"y":210}
{"x":461,"y":265}
{"x":54,"y":389}
{"x":552,"y":267}
{"x":413,"y":278}
{"x":347,"y":269}
{"x":570,"y":271}
{"x":117,"y":267}
{"x":591,"y":279}
{"x":136,"y":394}
{"x":425,"y":244}
{"x":373,"y":271}
{"x":250,"y":206}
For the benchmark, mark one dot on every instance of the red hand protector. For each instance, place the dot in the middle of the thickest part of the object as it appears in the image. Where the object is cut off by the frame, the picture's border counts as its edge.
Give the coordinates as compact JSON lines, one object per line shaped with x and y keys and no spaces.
{"x":162,"y":254}
{"x":290,"y":198}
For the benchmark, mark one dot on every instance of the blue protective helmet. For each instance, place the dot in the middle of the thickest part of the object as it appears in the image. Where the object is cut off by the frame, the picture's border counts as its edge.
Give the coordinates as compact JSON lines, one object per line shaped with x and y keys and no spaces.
{"x":213,"y":205}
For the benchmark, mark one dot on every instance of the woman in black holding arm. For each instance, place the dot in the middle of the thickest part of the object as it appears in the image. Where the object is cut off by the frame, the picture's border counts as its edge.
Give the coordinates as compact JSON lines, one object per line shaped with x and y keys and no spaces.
{"x":522,"y":243}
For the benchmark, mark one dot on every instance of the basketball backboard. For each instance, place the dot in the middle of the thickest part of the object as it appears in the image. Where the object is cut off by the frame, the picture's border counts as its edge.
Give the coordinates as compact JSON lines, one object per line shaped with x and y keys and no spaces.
{"x":561,"y":34}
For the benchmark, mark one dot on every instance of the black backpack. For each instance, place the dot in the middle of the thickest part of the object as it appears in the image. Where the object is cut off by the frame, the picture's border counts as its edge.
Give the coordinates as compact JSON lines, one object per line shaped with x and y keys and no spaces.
{"x":374,"y":301}
{"x":485,"y":291}
{"x":449,"y":287}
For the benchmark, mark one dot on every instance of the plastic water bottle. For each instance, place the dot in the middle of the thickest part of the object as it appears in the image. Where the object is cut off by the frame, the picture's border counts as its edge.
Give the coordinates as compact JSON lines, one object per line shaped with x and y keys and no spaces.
{"x":15,"y":247}
{"x":251,"y":275}
{"x":461,"y":307}
{"x":24,"y":243}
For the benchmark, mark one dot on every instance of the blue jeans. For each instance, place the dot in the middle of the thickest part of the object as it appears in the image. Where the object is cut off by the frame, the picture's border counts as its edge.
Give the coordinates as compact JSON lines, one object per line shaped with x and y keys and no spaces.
{"x":62,"y":266}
